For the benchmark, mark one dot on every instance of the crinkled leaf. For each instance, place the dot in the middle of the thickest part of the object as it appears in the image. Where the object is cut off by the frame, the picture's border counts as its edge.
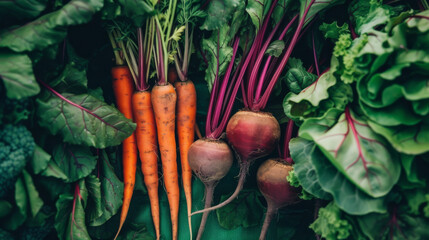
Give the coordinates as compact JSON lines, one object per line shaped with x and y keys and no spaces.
{"x":330,"y":224}
{"x":244,"y":211}
{"x":111,"y":189}
{"x":137,"y":11}
{"x":406,"y":139}
{"x":40,"y":160}
{"x":275,"y":48}
{"x":16,"y":71}
{"x":301,"y":152}
{"x":368,"y":14}
{"x":355,"y":150}
{"x":317,"y":91}
{"x":18,"y":10}
{"x":333,"y":31}
{"x":75,"y":161}
{"x":87,"y":121}
{"x":298,"y":79}
{"x":51,"y":28}
{"x":220,"y":12}
{"x":70,"y":217}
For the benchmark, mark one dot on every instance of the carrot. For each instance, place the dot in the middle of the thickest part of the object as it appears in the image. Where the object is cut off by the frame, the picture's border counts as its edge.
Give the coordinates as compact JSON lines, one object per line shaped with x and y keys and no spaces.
{"x":186,"y":113}
{"x":164,"y":107}
{"x":148,"y":147}
{"x":123,"y":87}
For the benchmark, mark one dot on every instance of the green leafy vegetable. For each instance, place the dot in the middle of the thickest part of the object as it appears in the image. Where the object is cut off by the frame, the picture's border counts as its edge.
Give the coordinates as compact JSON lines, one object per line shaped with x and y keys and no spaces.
{"x":84,"y":119}
{"x":355,"y":150}
{"x":330,"y":225}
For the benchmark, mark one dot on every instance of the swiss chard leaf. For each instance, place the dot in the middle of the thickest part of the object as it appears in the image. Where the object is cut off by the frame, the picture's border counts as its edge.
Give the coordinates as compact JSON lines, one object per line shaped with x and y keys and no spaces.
{"x":275,"y":48}
{"x":346,"y":195}
{"x":111,"y":190}
{"x":301,"y":152}
{"x":75,"y":161}
{"x":50,"y":28}
{"x":16,"y":71}
{"x":53,"y":170}
{"x":84,"y":119}
{"x":356,"y":151}
{"x":94,"y":197}
{"x":244,"y":211}
{"x":70,"y":217}
{"x":72,"y":79}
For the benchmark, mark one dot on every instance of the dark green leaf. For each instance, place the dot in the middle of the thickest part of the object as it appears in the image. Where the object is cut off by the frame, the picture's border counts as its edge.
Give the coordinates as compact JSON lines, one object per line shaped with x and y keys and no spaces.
{"x":50,"y":28}
{"x":70,"y":217}
{"x":87,"y":121}
{"x":72,"y":79}
{"x":111,"y":190}
{"x":16,"y":71}
{"x":94,"y":200}
{"x":5,"y":208}
{"x":315,"y":8}
{"x":301,"y":152}
{"x":244,"y":211}
{"x":75,"y":161}
{"x":257,"y":10}
{"x":333,"y":31}
{"x":40,"y":160}
{"x":34,"y":201}
{"x":18,"y":10}
{"x":275,"y":48}
{"x":220,"y":12}
{"x":137,"y":11}
{"x":53,"y":170}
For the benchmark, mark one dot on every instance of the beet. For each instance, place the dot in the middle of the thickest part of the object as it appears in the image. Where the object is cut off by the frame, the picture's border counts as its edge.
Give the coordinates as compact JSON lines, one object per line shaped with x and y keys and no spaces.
{"x":252,"y":135}
{"x":210,"y":160}
{"x":273,"y":184}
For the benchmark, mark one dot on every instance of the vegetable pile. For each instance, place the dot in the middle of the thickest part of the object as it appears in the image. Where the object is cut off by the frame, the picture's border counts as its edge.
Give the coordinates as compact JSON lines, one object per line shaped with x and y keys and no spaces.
{"x":284,"y":119}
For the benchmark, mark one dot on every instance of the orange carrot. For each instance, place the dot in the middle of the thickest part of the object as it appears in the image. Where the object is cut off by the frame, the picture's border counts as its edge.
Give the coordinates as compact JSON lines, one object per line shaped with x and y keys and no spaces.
{"x":123,"y":87}
{"x":186,"y":113}
{"x":148,"y":147}
{"x":164,"y":107}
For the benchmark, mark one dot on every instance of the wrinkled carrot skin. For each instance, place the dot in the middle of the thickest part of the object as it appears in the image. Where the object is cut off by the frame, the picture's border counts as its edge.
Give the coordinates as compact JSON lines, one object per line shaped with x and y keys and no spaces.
{"x":123,"y":88}
{"x":148,"y":147}
{"x":186,"y":114}
{"x":164,"y":106}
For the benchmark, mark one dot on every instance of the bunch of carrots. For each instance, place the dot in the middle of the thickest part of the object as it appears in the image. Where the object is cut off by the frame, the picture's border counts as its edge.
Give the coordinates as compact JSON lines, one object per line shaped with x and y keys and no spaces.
{"x":155,"y":111}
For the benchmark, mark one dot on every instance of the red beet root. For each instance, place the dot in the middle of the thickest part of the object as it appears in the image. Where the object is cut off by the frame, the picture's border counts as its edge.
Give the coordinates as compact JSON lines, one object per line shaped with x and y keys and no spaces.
{"x":210,"y":160}
{"x":252,"y":135}
{"x":278,"y":193}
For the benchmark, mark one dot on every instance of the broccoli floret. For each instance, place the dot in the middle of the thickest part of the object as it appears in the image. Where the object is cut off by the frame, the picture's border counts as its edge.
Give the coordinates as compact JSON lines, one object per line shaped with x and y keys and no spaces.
{"x":4,"y":235}
{"x":16,"y":146}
